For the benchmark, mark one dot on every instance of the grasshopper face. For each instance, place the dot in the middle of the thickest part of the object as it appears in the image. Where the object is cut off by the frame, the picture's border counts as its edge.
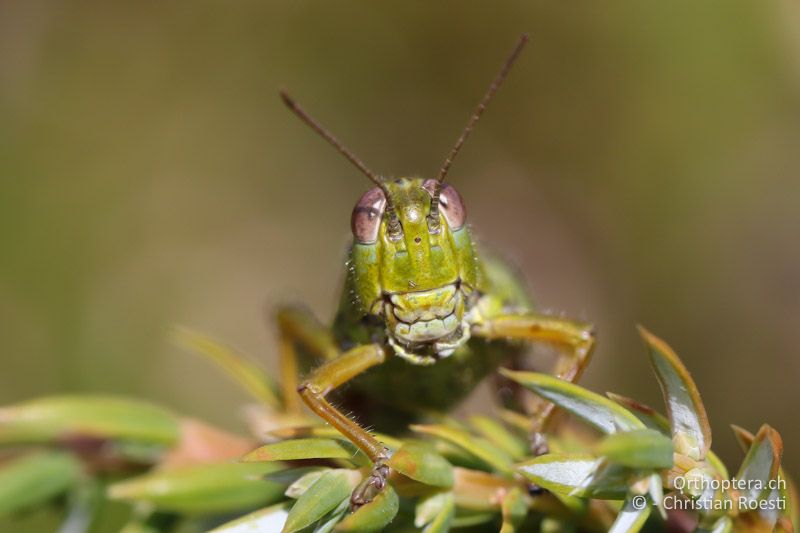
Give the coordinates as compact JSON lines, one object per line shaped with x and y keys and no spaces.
{"x":412,"y":262}
{"x":419,"y":279}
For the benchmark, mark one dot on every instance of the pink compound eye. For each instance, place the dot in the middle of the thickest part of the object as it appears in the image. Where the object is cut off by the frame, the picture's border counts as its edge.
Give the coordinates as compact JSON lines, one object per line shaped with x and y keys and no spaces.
{"x":450,"y":204}
{"x":366,"y":218}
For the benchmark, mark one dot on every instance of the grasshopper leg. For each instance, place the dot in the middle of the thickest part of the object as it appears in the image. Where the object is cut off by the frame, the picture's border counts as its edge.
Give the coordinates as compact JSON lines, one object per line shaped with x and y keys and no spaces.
{"x":328,"y":377}
{"x":299,"y":327}
{"x":576,"y":337}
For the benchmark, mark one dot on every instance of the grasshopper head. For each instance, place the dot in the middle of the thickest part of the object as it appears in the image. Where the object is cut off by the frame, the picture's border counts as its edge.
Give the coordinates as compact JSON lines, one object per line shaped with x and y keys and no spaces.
{"x":412,"y":260}
{"x":411,"y":269}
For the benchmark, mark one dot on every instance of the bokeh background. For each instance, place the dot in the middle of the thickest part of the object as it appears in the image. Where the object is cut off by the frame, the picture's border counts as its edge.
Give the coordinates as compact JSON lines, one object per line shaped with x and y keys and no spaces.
{"x":640,"y":166}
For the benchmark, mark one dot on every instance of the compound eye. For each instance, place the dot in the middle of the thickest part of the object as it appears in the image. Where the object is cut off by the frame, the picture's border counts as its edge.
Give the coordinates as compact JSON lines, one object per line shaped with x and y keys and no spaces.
{"x":450,"y":204}
{"x":366,"y":218}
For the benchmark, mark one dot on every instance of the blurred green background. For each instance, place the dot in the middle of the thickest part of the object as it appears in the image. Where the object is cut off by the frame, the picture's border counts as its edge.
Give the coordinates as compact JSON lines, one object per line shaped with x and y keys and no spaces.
{"x":640,"y":166}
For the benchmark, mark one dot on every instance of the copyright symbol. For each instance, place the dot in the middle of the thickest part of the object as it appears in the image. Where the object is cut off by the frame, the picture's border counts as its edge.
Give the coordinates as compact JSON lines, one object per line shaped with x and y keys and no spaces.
{"x":639,"y":502}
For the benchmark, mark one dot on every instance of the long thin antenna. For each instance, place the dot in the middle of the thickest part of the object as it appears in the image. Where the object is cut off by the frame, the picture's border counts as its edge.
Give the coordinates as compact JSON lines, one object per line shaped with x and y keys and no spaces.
{"x":328,"y":136}
{"x":490,"y":92}
{"x":433,"y":215}
{"x":393,"y":223}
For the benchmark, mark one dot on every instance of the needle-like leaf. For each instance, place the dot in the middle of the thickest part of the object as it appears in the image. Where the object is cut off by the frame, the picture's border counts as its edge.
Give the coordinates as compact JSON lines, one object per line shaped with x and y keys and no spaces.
{"x":691,"y":432}
{"x":592,"y":408}
{"x":248,"y":374}
{"x":203,"y":489}
{"x":55,"y":418}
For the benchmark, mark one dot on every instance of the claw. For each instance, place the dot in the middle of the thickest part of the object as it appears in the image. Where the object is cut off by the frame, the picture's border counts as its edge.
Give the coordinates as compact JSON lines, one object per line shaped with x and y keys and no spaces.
{"x":371,"y":485}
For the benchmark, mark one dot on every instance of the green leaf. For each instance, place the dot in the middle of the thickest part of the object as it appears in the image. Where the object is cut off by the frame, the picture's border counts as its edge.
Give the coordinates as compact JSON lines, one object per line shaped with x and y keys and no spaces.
{"x":655,"y":420}
{"x":761,"y":464}
{"x":326,"y":431}
{"x":330,"y":521}
{"x":288,"y":476}
{"x":632,"y":516}
{"x":641,"y":448}
{"x":786,"y":490}
{"x":420,"y":463}
{"x":577,"y":475}
{"x":203,"y":489}
{"x":373,"y":516}
{"x":472,"y":519}
{"x":436,"y":512}
{"x":516,"y":420}
{"x":655,"y":490}
{"x":480,"y":448}
{"x":457,"y":456}
{"x":54,"y":418}
{"x":691,"y":433}
{"x":594,"y":409}
{"x":477,"y":490}
{"x":649,"y":416}
{"x":269,"y":519}
{"x":514,"y":509}
{"x":304,"y":482}
{"x":498,"y":435}
{"x":328,"y":492}
{"x":33,"y":479}
{"x":295,"y":449}
{"x":247,"y":373}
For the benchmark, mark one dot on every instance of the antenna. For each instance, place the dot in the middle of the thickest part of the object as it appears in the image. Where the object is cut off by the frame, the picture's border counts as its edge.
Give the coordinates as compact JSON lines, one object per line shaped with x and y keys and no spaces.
{"x":433,"y":217}
{"x":394,"y":223}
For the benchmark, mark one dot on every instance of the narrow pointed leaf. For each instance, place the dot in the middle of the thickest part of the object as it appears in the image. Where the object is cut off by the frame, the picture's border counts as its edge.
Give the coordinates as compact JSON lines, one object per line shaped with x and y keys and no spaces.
{"x":516,"y":420}
{"x":203,"y":489}
{"x":480,"y":448}
{"x":641,"y":448}
{"x":33,"y":479}
{"x":54,"y":418}
{"x":295,"y":449}
{"x":290,"y":475}
{"x":248,"y":374}
{"x":476,"y":490}
{"x":327,"y":523}
{"x":327,"y":493}
{"x":420,"y":463}
{"x":787,"y":489}
{"x":472,"y":519}
{"x":270,"y":519}
{"x":457,"y":456}
{"x":514,"y":509}
{"x":436,"y":511}
{"x":443,"y":521}
{"x":631,"y":517}
{"x":302,"y":432}
{"x":649,"y":416}
{"x":494,"y":432}
{"x":691,"y":432}
{"x":577,"y":475}
{"x":373,"y":516}
{"x":743,"y":437}
{"x":655,"y":491}
{"x":655,"y":420}
{"x":594,"y":409}
{"x":304,"y":482}
{"x":761,"y":464}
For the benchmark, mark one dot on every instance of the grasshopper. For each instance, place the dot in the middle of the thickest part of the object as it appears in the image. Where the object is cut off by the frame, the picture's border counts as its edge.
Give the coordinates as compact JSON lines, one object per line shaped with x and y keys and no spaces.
{"x":423,"y":317}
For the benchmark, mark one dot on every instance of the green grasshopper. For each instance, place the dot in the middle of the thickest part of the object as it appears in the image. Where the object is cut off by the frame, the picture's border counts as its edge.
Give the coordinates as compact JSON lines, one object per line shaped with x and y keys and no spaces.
{"x":421,"y":311}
